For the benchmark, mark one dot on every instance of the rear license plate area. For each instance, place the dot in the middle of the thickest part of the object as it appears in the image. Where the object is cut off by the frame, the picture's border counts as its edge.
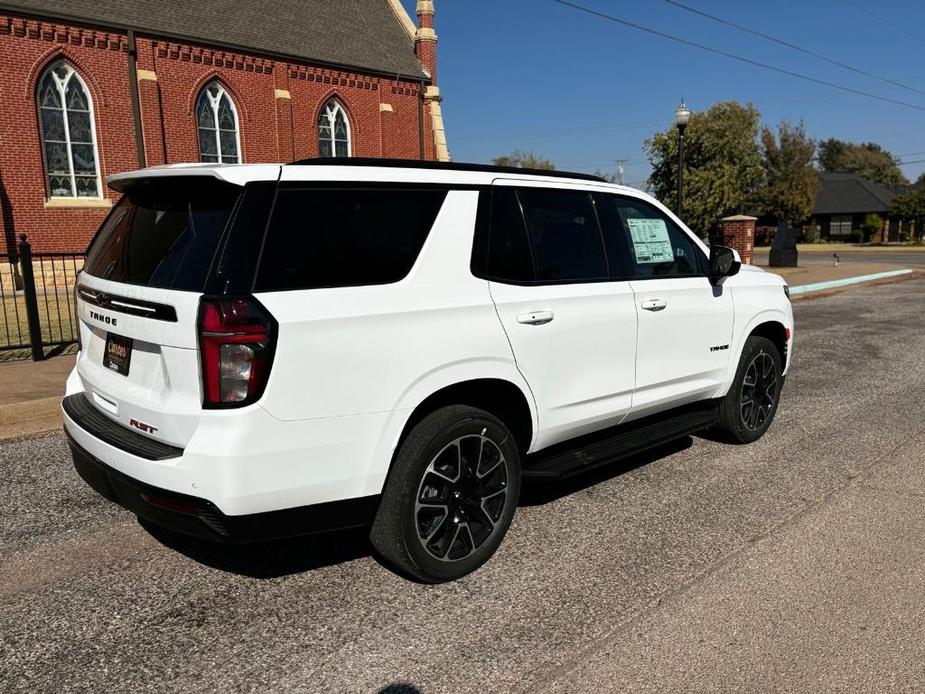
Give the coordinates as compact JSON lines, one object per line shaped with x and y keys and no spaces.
{"x":118,"y":353}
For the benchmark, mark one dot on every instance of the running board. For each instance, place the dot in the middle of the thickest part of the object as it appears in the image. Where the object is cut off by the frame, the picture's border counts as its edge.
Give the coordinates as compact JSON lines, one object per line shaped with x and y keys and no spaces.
{"x":588,"y":452}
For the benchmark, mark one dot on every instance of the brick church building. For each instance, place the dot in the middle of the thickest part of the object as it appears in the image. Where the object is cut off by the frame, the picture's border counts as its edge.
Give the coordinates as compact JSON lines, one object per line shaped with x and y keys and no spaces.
{"x":94,"y":87}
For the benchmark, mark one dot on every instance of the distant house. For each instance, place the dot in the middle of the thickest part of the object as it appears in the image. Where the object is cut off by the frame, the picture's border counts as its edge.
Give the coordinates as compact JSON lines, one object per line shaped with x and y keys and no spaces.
{"x":845,"y":199}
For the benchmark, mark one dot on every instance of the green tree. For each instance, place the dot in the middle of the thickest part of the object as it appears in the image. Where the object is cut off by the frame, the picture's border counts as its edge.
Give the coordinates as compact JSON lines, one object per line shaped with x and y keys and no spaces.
{"x":792,"y":182}
{"x":910,"y":206}
{"x":867,"y":159}
{"x":873,"y":225}
{"x":525,"y":160}
{"x":722,"y":164}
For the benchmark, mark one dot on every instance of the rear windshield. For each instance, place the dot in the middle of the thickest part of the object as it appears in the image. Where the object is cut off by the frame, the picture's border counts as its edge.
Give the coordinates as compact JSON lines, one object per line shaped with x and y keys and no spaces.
{"x":336,"y":237}
{"x":163,"y":234}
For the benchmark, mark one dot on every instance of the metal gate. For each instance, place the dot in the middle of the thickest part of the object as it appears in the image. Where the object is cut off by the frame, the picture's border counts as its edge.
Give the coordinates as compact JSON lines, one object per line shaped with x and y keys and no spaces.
{"x":37,"y":308}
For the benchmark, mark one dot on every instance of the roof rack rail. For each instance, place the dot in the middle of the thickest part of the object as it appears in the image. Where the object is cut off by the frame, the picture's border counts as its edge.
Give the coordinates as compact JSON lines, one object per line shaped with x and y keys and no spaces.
{"x":441,"y":166}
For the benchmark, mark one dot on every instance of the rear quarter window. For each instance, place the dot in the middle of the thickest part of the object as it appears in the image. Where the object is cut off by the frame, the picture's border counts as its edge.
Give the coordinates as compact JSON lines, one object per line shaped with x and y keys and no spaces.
{"x":163,"y":233}
{"x":335,"y":237}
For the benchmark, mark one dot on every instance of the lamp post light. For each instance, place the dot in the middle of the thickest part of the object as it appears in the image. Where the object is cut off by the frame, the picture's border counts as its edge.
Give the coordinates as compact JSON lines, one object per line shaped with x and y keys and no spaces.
{"x":681,"y":116}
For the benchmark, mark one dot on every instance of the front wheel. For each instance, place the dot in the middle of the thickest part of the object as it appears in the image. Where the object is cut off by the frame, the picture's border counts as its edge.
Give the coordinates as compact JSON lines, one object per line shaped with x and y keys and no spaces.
{"x":751,"y":403}
{"x":450,"y":496}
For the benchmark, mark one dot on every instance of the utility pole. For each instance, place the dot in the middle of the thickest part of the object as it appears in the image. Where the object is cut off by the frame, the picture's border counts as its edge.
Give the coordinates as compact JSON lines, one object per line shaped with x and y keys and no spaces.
{"x":621,"y":169}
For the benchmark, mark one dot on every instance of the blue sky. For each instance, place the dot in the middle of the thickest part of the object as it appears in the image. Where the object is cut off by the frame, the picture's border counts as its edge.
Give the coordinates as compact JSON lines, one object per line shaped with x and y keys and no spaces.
{"x":584,"y":92}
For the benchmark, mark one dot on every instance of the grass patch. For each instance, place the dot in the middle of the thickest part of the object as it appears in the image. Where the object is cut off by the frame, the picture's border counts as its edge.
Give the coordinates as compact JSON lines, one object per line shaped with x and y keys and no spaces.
{"x":54,"y":288}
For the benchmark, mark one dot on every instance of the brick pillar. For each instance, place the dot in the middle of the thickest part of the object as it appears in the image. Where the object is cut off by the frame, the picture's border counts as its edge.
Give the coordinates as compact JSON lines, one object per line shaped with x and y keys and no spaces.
{"x":149,"y":98}
{"x":739,"y":234}
{"x":285,"y":144}
{"x":425,"y":48}
{"x":425,"y":39}
{"x":152,"y":125}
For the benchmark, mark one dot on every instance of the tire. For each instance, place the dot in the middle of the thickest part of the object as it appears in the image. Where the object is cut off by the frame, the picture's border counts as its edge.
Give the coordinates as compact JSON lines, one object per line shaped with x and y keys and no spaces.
{"x":450,"y":496}
{"x":744,"y":415}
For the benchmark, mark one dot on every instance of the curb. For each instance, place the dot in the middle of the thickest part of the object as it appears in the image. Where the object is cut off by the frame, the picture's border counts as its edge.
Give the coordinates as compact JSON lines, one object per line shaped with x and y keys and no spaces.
{"x":849,"y":281}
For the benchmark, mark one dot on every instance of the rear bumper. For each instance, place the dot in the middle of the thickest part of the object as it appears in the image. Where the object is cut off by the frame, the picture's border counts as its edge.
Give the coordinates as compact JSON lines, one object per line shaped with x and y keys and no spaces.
{"x":191,"y":515}
{"x":244,"y":461}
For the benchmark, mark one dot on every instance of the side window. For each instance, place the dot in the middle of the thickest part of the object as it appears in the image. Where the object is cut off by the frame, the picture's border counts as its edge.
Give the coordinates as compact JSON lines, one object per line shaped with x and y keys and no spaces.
{"x":657,"y":246}
{"x":335,"y":237}
{"x":509,"y":256}
{"x":564,"y":235}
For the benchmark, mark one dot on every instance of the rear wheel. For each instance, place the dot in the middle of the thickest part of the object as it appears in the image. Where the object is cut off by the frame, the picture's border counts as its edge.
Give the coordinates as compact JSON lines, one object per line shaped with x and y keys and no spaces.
{"x":451,"y":495}
{"x":751,"y":403}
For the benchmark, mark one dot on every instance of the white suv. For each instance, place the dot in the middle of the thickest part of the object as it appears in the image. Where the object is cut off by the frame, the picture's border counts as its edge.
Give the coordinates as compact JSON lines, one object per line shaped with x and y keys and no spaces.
{"x":273,"y":350}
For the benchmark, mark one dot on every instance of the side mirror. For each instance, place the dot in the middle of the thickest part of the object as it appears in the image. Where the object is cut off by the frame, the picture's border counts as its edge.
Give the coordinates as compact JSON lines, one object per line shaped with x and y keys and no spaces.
{"x":724,"y":262}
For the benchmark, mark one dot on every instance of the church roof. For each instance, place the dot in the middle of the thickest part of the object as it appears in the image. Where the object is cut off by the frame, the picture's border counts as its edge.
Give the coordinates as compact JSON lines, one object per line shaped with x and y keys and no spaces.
{"x":364,"y":34}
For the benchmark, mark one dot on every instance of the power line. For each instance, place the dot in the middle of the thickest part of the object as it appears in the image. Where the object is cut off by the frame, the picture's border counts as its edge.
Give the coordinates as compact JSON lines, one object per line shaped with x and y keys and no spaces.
{"x":793,"y":46}
{"x":883,"y":19}
{"x":914,"y":161}
{"x":740,"y":58}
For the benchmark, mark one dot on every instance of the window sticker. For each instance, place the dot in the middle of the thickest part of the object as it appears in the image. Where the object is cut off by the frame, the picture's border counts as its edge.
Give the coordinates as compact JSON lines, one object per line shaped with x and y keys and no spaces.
{"x":650,"y":240}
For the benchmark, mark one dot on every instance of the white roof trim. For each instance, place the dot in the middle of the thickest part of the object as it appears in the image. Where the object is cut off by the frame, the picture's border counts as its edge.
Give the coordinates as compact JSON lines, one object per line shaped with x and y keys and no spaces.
{"x":236,"y":174}
{"x":403,"y":18}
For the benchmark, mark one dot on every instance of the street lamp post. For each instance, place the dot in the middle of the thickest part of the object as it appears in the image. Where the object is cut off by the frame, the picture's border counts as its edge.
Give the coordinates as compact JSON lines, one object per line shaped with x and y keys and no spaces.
{"x":681,"y":116}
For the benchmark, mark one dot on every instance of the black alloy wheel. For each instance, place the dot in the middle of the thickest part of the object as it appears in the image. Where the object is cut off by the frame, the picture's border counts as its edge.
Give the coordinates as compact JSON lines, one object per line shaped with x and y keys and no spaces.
{"x":450,"y":496}
{"x":461,"y":497}
{"x":759,"y":391}
{"x":749,"y":406}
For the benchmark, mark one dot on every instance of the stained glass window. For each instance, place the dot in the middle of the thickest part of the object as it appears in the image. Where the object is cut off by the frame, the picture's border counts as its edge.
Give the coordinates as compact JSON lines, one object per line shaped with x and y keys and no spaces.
{"x":333,"y":131}
{"x":68,"y":134}
{"x":217,"y":121}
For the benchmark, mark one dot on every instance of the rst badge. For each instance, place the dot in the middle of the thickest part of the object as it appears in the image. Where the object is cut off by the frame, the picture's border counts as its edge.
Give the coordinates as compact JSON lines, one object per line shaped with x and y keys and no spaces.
{"x":141,"y":426}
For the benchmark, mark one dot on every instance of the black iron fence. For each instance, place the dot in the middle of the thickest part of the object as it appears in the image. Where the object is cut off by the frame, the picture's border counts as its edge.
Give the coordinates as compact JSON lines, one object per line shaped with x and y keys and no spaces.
{"x":37,"y":309}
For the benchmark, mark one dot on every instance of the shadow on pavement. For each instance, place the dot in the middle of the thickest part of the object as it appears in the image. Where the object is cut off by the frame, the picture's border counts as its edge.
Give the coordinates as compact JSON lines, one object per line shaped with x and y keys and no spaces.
{"x":296,"y":555}
{"x":269,"y":559}
{"x":537,"y":492}
{"x":400,"y":688}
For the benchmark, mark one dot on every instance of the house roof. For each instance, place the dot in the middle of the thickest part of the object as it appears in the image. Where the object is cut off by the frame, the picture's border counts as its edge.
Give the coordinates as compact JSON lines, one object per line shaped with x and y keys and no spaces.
{"x":365,"y":34}
{"x":844,"y":193}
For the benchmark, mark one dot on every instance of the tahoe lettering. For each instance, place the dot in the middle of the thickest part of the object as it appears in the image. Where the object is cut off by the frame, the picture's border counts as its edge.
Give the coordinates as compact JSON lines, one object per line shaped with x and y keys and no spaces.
{"x":103,"y":319}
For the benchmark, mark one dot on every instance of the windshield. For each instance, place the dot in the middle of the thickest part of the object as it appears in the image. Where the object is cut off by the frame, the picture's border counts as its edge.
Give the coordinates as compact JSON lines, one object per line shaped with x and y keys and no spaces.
{"x":163,"y":234}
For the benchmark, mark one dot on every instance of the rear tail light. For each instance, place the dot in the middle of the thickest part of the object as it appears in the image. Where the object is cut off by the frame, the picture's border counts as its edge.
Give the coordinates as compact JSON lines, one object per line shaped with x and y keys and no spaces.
{"x":236,"y":340}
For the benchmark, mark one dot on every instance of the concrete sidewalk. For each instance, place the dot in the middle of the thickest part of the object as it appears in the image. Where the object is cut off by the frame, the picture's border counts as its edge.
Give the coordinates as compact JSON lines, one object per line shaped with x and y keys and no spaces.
{"x":812,"y":274}
{"x":30,"y":395}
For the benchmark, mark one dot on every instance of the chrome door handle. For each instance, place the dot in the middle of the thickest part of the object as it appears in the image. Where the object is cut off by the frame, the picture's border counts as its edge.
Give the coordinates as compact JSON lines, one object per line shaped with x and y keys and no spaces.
{"x":535,"y":317}
{"x":655,"y":304}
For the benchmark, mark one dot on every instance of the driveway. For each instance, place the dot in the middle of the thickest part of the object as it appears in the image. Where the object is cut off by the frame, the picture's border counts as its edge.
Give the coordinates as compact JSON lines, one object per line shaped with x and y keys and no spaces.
{"x":794,"y":564}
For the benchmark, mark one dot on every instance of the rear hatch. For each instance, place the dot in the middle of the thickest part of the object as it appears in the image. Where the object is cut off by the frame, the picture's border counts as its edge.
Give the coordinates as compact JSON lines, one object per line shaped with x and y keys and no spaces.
{"x":138,"y":300}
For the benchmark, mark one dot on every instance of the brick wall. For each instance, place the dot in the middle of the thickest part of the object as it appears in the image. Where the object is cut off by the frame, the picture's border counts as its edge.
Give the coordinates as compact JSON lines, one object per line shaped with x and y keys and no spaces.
{"x":277,"y":104}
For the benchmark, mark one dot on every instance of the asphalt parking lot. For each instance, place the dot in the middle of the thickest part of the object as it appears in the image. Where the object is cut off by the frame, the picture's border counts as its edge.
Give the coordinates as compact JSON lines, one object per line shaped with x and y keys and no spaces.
{"x":794,"y":564}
